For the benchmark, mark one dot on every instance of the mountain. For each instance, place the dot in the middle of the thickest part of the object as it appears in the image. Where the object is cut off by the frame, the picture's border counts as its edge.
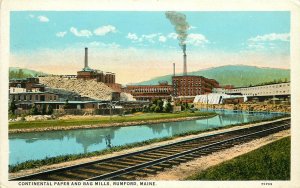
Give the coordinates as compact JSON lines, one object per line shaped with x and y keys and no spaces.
{"x":237,"y":75}
{"x":16,"y":72}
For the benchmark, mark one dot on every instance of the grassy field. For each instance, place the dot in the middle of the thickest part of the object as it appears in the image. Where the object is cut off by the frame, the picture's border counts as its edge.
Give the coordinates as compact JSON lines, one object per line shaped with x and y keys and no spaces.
{"x":270,"y":162}
{"x":104,"y":120}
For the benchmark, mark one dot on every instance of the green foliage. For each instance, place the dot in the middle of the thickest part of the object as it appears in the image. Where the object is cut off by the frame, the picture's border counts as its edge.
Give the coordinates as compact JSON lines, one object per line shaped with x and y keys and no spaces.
{"x":270,"y":162}
{"x":133,"y":110}
{"x":12,"y":107}
{"x":184,"y":106}
{"x":44,"y":109}
{"x":34,"y":110}
{"x":157,"y":109}
{"x":160,"y":103}
{"x":168,"y":108}
{"x":17,"y":73}
{"x":152,"y":108}
{"x":146,"y":108}
{"x":50,"y":110}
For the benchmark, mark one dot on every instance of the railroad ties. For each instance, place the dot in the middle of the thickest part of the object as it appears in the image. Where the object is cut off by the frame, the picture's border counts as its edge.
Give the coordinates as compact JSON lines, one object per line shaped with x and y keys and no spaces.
{"x":154,"y":160}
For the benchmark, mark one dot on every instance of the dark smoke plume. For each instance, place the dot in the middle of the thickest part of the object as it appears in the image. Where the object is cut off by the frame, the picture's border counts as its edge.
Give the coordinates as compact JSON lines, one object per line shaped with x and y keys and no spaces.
{"x":181,"y":26}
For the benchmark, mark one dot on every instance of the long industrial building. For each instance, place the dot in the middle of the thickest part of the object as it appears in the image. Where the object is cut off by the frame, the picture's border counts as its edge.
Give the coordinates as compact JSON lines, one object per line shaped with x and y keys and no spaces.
{"x":272,"y":93}
{"x":150,"y":92}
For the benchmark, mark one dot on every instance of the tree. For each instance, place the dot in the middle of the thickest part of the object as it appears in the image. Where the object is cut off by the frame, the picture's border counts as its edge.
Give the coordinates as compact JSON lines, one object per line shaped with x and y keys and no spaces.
{"x":50,"y":110}
{"x":12,"y":106}
{"x":152,"y":108}
{"x":133,"y":110}
{"x":146,"y":108}
{"x":168,"y":107}
{"x":160,"y":103}
{"x":34,"y":110}
{"x":20,"y":73}
{"x":157,"y":109}
{"x":44,"y":109}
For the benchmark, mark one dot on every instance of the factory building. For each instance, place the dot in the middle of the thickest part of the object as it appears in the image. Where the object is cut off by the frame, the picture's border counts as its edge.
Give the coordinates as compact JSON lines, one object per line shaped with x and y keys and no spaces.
{"x":87,"y":73}
{"x":25,"y":92}
{"x":265,"y":93}
{"x":184,"y":88}
{"x":150,"y":92}
{"x":192,"y":85}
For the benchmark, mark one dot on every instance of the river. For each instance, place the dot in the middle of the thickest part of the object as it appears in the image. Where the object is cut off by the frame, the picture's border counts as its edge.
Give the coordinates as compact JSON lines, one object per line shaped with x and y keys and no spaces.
{"x":39,"y":145}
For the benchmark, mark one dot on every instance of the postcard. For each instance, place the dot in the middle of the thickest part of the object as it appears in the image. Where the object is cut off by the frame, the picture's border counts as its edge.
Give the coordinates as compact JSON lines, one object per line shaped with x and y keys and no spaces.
{"x":149,"y":93}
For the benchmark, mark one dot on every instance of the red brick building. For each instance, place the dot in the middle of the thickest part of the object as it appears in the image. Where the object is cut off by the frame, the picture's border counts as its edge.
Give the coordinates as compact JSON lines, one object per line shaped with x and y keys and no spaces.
{"x":150,"y":92}
{"x":192,"y":85}
{"x":88,"y":74}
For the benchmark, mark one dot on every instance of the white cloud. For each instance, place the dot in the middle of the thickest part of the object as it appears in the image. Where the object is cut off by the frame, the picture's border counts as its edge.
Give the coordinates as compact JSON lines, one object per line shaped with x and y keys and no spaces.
{"x":271,"y":41}
{"x":101,"y":31}
{"x":43,"y":19}
{"x":104,"y":45}
{"x":151,"y":38}
{"x":173,"y":35}
{"x":132,"y":36}
{"x":61,"y":34}
{"x":162,"y":39}
{"x":192,"y":27}
{"x":81,"y":33}
{"x":196,"y":39}
{"x":271,"y":37}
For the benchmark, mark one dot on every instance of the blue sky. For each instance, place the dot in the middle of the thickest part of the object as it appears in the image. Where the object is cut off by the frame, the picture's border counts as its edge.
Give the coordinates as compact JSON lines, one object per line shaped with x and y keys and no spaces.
{"x":138,"y":36}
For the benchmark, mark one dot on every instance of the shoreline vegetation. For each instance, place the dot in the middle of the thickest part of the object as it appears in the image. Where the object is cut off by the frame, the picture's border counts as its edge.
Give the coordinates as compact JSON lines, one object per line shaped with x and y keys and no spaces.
{"x":64,"y":158}
{"x":104,"y":121}
{"x":270,"y":162}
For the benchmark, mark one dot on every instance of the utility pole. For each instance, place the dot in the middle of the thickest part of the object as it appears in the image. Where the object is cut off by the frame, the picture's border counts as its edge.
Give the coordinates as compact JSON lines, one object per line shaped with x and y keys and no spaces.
{"x":206,"y":101}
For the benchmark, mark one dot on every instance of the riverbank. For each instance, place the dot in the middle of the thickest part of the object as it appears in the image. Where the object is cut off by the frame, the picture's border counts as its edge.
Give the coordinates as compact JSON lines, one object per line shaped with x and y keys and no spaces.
{"x":67,"y":160}
{"x":104,"y":121}
{"x":248,"y":107}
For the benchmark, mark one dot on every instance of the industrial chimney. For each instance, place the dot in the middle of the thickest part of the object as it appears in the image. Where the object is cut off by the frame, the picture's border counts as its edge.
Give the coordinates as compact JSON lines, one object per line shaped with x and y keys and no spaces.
{"x":86,"y":58}
{"x":173,"y":69}
{"x":184,"y":60}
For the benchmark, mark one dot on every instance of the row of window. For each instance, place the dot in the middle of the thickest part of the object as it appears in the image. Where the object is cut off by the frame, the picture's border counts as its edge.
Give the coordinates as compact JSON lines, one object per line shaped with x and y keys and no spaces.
{"x":269,"y":92}
{"x":151,"y":90}
{"x":30,"y":97}
{"x":261,"y":87}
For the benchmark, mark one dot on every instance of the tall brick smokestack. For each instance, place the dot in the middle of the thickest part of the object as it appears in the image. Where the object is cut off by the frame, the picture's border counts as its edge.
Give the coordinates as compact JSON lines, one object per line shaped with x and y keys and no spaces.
{"x":173,"y":69}
{"x":86,"y":57}
{"x":184,"y":60}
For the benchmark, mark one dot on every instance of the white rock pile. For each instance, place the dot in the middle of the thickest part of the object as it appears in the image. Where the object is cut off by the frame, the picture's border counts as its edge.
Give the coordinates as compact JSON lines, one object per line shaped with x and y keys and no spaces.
{"x":86,"y":88}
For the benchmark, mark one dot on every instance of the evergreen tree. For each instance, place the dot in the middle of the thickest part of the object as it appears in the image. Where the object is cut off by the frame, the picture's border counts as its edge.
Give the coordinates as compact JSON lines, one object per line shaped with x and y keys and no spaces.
{"x":34,"y":110}
{"x":157,"y":109}
{"x":50,"y":110}
{"x":12,"y":106}
{"x":152,"y":108}
{"x":44,"y":109}
{"x":160,"y":104}
{"x":168,"y":107}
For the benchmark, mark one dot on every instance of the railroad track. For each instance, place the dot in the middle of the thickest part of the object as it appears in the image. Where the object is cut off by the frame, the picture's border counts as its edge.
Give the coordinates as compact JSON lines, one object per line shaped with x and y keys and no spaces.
{"x":153,"y":160}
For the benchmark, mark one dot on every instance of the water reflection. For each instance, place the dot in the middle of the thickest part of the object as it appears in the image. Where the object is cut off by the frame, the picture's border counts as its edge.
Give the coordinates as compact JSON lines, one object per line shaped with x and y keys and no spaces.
{"x":27,"y":146}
